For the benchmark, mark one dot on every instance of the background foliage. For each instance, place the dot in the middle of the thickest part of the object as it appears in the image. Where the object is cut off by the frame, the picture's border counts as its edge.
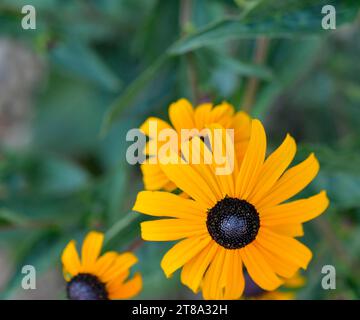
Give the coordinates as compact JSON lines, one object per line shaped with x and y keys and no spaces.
{"x":109,"y":64}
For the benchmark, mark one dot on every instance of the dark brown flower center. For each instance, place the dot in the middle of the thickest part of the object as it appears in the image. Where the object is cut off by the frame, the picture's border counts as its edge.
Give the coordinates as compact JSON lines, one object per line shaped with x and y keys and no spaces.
{"x":233,"y":223}
{"x":86,"y":286}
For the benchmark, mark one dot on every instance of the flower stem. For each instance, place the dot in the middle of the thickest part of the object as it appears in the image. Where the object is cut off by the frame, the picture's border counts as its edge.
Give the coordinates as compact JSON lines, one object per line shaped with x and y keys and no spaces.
{"x":185,"y":21}
{"x":260,"y":54}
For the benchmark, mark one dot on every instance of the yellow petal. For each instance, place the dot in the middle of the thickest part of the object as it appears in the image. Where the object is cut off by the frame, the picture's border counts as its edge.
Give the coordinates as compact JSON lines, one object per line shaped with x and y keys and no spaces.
{"x":164,"y":204}
{"x":117,"y":281}
{"x":240,"y":150}
{"x":70,"y":259}
{"x":202,"y":115}
{"x":290,"y":230}
{"x":281,"y":266}
{"x":122,"y":264}
{"x":222,"y":114}
{"x":67,"y":275}
{"x":153,"y":176}
{"x":293,"y":181}
{"x":291,"y":249}
{"x":273,"y":168}
{"x":157,"y":123}
{"x":126,"y":290}
{"x":212,"y":287}
{"x":253,"y":161}
{"x":201,"y":159}
{"x":91,"y":250}
{"x":193,"y":271}
{"x":296,"y":211}
{"x":182,"y":252}
{"x":259,"y":269}
{"x":189,"y":181}
{"x":152,"y":148}
{"x":104,"y":263}
{"x":225,"y":148}
{"x":170,"y":186}
{"x":181,"y":114}
{"x":172,"y":229}
{"x":235,"y":283}
{"x":242,"y":125}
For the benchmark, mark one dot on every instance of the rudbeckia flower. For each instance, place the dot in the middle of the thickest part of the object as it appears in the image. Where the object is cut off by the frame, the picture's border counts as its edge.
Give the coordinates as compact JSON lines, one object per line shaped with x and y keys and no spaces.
{"x":183,"y":116}
{"x":96,"y":277}
{"x":235,"y":220}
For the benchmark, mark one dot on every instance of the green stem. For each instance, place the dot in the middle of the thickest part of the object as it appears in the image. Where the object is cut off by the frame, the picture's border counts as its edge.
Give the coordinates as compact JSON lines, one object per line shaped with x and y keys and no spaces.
{"x":185,"y":23}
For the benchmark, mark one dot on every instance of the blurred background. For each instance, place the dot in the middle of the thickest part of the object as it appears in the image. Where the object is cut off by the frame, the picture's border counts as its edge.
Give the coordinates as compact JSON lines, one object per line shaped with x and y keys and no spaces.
{"x":93,"y":69}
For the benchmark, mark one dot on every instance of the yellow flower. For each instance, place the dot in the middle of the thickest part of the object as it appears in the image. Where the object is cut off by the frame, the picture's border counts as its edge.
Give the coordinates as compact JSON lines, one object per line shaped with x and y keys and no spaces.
{"x":183,"y":116}
{"x":98,"y":278}
{"x":234,"y":220}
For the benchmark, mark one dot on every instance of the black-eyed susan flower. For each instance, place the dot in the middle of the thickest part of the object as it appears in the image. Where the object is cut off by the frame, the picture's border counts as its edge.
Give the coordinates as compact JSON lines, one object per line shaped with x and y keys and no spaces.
{"x":287,"y":291}
{"x":235,"y":220}
{"x":183,"y":116}
{"x":95,"y":277}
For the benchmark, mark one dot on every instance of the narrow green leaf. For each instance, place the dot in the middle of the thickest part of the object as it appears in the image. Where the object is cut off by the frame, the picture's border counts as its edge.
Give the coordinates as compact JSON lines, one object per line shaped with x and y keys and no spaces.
{"x":120,"y":225}
{"x":300,"y":59}
{"x":11,"y":217}
{"x":130,"y":93}
{"x":246,"y":69}
{"x":83,"y":61}
{"x":276,"y":24}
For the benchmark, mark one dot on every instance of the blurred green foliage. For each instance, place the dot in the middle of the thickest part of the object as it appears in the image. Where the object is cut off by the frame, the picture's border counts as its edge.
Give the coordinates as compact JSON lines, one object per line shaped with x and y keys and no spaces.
{"x":111,"y":63}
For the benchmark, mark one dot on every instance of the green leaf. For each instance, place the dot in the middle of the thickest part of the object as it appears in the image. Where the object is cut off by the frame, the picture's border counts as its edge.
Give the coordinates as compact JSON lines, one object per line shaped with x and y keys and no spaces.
{"x":61,"y":176}
{"x":116,"y":192}
{"x":80,"y":59}
{"x":120,"y":226}
{"x":300,"y":58}
{"x":60,"y":127}
{"x":45,"y":175}
{"x":244,"y":68}
{"x":273,"y":22}
{"x":131,"y":92}
{"x":10,"y":217}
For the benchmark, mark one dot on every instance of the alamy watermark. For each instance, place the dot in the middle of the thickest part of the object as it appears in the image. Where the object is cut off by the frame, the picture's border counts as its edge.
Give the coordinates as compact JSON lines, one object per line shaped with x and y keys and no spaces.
{"x":28,"y":281}
{"x":29,"y":20}
{"x":191,"y":146}
{"x":328,"y":281}
{"x":329,"y":20}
